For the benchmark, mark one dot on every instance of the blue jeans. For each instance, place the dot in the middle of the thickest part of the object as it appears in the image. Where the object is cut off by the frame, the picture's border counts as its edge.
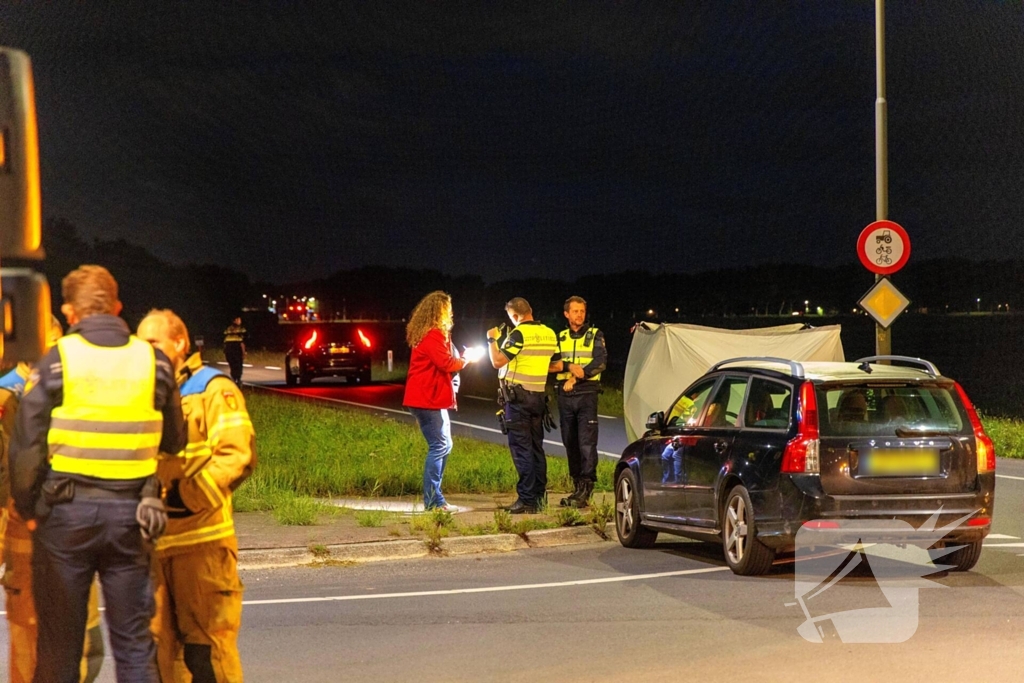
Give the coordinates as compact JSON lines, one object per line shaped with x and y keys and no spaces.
{"x":437,"y":430}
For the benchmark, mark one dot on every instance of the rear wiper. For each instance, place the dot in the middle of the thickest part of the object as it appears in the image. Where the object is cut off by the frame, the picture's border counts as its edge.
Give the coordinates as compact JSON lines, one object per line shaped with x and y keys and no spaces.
{"x":927,"y":431}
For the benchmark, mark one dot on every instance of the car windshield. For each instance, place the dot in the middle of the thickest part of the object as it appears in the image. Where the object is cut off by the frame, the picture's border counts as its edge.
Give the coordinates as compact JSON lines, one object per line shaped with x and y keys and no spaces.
{"x":863,"y":410}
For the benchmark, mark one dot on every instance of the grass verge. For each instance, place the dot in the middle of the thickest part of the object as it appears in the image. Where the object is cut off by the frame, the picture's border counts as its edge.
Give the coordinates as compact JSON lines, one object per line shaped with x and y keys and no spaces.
{"x":1007,"y":435}
{"x":309,"y":451}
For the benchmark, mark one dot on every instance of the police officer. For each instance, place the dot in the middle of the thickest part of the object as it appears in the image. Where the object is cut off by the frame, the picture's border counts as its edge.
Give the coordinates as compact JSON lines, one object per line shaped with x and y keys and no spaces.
{"x":96,"y":410}
{"x":523,"y":361}
{"x":583,"y":357}
{"x":234,"y":348}
{"x":16,"y":548}
{"x":198,"y":592}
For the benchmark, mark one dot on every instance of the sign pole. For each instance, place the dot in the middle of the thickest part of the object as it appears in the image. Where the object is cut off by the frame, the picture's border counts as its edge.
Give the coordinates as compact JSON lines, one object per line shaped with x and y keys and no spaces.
{"x":883,"y":336}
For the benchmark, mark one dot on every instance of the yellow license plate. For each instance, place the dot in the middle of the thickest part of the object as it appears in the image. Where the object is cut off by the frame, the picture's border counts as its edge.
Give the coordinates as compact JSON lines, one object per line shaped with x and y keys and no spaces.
{"x":899,"y":462}
{"x":339,"y":349}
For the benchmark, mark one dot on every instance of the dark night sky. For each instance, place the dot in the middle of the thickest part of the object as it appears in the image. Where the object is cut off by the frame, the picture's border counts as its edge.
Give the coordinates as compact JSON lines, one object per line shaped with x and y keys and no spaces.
{"x":542,"y":139}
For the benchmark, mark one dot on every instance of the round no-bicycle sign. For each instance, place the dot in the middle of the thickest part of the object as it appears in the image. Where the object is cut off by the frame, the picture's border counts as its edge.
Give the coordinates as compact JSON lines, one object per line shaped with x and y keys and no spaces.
{"x":883,"y":247}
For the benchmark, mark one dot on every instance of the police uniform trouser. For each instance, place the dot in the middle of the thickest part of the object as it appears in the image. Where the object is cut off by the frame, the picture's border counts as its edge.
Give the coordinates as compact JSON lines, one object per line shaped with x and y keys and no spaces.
{"x":199,"y":612}
{"x":79,"y":539}
{"x":233,"y":355}
{"x":525,"y":420}
{"x":21,"y":611}
{"x":577,"y":417}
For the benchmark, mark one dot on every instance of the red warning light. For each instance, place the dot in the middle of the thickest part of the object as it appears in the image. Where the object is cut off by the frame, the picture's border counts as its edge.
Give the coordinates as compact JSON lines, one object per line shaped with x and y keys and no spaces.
{"x":309,"y":342}
{"x":363,"y":338}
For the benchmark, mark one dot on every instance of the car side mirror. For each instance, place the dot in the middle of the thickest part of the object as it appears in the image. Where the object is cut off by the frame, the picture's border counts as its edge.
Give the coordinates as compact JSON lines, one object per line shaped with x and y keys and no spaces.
{"x":656,"y":421}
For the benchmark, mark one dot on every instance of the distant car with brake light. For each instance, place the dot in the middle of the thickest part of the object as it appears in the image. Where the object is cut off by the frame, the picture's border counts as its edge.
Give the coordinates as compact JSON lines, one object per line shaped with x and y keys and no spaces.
{"x":758,"y":447}
{"x":327,"y":350}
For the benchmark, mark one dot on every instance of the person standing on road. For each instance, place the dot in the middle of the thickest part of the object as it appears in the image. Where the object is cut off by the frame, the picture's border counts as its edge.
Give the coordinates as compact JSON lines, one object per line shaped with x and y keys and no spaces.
{"x":16,"y":551}
{"x":234,"y":348}
{"x":97,"y":409}
{"x":583,"y":357}
{"x":432,"y":385}
{"x":524,"y":360}
{"x":198,"y":592}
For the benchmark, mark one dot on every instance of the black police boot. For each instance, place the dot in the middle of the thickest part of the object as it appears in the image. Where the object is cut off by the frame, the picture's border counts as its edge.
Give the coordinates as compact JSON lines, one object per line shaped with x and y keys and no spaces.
{"x":581,"y":498}
{"x":568,"y":500}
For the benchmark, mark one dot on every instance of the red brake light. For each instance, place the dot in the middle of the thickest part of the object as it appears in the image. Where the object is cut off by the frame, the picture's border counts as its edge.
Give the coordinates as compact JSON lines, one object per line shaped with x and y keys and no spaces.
{"x":801,"y":454}
{"x":979,"y":521}
{"x":982,"y":443}
{"x":309,"y":342}
{"x":363,"y":338}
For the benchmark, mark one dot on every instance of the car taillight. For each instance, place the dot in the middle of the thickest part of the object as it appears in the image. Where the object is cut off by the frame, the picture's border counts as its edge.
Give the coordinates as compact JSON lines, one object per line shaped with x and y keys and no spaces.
{"x":982,"y":443}
{"x":363,"y":338}
{"x":309,"y":342}
{"x":801,"y":454}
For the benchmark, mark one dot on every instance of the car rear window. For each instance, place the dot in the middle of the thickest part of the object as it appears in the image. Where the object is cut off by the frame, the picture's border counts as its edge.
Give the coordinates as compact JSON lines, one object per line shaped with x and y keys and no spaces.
{"x":864,"y":410}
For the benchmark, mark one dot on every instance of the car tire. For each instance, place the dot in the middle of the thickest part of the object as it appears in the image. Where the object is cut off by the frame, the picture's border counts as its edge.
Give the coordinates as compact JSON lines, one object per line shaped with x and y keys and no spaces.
{"x":305,"y":378}
{"x":744,"y":554}
{"x":963,"y":559}
{"x":365,"y":377}
{"x":289,"y":378}
{"x":631,"y":533}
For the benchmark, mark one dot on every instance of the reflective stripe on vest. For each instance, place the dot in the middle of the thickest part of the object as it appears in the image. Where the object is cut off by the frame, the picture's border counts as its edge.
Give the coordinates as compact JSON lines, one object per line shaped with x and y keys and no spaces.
{"x":577,"y":351}
{"x":107,"y":426}
{"x":529,"y":367}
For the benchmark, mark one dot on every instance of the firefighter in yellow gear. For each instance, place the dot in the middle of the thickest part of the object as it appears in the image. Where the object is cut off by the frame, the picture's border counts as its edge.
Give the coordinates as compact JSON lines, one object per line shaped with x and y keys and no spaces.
{"x":16,"y":551}
{"x":199,"y":594}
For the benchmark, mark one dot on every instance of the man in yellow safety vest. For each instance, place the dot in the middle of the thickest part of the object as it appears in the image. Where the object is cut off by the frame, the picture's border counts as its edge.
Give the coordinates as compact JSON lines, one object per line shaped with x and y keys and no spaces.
{"x":97,"y":409}
{"x":524,"y":360}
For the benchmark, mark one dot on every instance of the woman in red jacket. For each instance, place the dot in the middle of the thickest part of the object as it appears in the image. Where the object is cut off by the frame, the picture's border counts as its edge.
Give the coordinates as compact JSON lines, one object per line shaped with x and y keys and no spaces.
{"x":430,"y":387}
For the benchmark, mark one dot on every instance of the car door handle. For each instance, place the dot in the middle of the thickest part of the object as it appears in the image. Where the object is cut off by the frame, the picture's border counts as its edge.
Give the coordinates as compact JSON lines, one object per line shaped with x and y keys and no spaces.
{"x":720,"y":447}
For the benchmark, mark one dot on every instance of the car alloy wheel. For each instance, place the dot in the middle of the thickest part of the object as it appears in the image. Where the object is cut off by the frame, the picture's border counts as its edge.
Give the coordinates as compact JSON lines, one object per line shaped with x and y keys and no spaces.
{"x":631,"y":533}
{"x":744,"y":553}
{"x":736,"y":530}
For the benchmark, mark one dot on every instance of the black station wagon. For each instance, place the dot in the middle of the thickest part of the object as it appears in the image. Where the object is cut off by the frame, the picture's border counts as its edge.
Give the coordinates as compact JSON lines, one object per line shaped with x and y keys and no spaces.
{"x":758,"y":447}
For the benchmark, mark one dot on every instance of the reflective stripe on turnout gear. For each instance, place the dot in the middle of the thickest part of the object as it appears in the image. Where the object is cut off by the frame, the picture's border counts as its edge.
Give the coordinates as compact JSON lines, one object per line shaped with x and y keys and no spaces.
{"x":220,"y":439}
{"x":106,"y":426}
{"x":578,"y":351}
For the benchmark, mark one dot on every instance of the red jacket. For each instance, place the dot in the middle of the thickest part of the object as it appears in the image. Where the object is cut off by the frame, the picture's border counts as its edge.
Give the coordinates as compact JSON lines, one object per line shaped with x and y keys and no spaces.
{"x":429,"y":383}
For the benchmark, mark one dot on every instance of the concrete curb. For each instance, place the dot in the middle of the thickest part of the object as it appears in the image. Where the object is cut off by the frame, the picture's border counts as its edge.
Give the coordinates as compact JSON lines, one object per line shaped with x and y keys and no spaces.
{"x":407,"y":549}
{"x":572,"y":535}
{"x":495,"y":543}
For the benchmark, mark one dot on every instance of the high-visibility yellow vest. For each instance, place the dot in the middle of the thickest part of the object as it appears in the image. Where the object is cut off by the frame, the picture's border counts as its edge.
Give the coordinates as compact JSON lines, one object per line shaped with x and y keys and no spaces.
{"x":107,"y":426}
{"x":529,"y":367}
{"x":234,"y":333}
{"x":579,"y":351}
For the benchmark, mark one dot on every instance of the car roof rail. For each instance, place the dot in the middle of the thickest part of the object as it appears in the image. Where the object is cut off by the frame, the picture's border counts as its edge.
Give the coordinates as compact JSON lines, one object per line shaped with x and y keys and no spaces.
{"x":928,"y":366}
{"x":795,"y":368}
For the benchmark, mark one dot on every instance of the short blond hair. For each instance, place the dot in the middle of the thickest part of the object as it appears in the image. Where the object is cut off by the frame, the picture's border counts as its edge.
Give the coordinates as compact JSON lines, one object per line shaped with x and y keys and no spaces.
{"x":175,"y":325}
{"x":90,"y":290}
{"x":519,"y":305}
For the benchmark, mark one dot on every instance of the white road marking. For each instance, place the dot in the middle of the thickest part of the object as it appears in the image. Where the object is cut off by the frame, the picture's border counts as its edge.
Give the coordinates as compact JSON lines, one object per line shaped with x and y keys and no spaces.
{"x":1007,"y":476}
{"x":403,"y":412}
{"x":220,"y":362}
{"x":246,"y":365}
{"x":1003,"y":536}
{"x":481,"y":398}
{"x":271,"y":367}
{"x":488,"y":589}
{"x":1003,"y":545}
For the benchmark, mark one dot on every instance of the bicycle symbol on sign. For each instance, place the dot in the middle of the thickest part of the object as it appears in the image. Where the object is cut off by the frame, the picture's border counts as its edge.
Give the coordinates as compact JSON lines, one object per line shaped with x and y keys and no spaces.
{"x":884,"y":251}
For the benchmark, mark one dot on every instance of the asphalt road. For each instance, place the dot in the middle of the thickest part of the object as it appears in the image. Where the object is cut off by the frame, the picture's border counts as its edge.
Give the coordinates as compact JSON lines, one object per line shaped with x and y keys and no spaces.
{"x":475,"y":416}
{"x":604,"y":613}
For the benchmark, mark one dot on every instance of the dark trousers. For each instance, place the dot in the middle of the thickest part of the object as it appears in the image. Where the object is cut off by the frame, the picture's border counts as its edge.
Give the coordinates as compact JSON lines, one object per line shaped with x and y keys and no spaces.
{"x":78,"y":539}
{"x":233,"y":355}
{"x":577,"y":417}
{"x":525,"y":421}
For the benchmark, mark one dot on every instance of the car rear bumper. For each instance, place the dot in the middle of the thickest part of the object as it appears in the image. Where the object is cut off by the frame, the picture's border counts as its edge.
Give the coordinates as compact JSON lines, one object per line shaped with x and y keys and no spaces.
{"x":800,"y":499}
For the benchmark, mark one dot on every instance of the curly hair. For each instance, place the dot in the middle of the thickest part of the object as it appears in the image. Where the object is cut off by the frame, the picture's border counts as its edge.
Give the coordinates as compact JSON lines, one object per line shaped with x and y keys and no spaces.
{"x":433,"y":311}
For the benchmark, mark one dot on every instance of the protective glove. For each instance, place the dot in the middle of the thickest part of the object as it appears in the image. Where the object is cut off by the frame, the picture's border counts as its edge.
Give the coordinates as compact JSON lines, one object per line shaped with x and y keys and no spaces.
{"x":152,"y":518}
{"x":549,"y":422}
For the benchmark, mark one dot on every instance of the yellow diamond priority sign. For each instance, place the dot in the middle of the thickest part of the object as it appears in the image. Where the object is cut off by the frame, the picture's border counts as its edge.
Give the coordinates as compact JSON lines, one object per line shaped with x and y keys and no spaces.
{"x":884,"y":302}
